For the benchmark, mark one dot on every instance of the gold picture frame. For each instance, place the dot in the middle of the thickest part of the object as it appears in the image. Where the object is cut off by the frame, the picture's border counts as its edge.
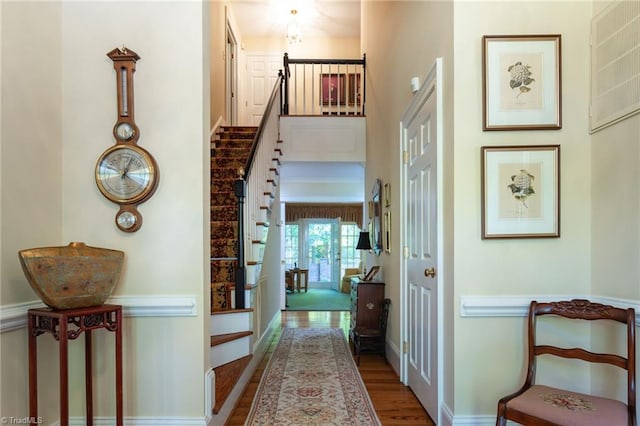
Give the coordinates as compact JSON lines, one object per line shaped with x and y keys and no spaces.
{"x":387,"y":195}
{"x":387,"y":232}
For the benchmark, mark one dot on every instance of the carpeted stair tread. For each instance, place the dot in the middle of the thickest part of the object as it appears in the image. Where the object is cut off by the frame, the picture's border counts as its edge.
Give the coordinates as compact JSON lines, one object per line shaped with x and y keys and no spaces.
{"x":225,"y":173}
{"x":227,"y":376}
{"x":231,"y":152}
{"x":236,"y":135}
{"x":221,"y":296}
{"x":222,"y":270}
{"x":228,"y":162}
{"x":243,"y":144}
{"x":224,"y":212}
{"x":223,"y":248}
{"x":224,"y":229}
{"x":222,"y":184}
{"x":243,"y":128}
{"x":224,"y":198}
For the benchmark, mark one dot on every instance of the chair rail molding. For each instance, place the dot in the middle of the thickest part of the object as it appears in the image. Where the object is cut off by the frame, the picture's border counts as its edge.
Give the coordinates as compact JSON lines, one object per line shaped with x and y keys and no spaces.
{"x":518,"y":306}
{"x":13,"y":317}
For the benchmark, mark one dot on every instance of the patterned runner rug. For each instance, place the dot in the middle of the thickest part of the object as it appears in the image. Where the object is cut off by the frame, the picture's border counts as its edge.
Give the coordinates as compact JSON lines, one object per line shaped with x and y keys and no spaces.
{"x":311,"y":379}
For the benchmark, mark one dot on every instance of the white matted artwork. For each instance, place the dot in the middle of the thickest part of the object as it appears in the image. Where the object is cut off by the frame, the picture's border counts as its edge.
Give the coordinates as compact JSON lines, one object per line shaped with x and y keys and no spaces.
{"x":521,"y":82}
{"x":520,"y":191}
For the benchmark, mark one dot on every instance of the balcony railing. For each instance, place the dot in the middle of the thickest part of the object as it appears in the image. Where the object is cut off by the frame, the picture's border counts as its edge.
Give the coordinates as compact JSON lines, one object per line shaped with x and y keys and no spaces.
{"x":324,"y":86}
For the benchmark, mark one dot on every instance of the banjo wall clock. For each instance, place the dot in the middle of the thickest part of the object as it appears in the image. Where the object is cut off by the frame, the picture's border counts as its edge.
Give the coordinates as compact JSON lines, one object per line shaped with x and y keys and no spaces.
{"x":126,"y":173}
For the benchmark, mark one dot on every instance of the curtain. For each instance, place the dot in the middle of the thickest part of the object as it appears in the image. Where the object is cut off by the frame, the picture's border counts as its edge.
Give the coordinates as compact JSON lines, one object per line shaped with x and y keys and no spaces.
{"x":347,"y":212}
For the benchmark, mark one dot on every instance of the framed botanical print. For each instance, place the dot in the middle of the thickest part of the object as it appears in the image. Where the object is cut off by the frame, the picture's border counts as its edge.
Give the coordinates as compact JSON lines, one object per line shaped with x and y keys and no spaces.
{"x":520,"y":188}
{"x":521,"y":82}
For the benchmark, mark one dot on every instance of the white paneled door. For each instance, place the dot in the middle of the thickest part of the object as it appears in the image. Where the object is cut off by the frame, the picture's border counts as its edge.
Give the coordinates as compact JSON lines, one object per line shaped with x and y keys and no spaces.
{"x":262,"y":74}
{"x":420,"y":134}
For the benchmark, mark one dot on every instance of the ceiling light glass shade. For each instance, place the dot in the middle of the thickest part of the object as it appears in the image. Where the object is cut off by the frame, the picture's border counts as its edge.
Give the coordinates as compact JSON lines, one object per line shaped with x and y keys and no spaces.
{"x":363,"y":241}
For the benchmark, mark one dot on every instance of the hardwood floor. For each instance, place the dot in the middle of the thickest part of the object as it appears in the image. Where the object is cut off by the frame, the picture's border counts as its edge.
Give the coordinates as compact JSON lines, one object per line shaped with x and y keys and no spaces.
{"x":394,"y":403}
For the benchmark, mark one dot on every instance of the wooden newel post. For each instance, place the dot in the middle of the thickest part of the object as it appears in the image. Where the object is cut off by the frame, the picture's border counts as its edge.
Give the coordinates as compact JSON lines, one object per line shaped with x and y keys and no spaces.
{"x":240,"y":274}
{"x":286,"y":84}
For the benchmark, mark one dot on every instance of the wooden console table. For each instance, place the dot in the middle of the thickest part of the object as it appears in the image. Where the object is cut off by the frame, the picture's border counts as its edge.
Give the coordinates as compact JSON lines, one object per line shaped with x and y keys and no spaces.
{"x":367,"y":298}
{"x":67,"y":325}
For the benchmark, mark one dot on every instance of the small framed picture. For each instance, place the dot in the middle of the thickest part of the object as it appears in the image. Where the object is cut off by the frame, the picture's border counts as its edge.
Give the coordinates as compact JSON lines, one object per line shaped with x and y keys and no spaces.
{"x":354,"y":89}
{"x":332,"y":89}
{"x":371,"y":274}
{"x":387,"y":231}
{"x":520,"y":188}
{"x":521,"y":82}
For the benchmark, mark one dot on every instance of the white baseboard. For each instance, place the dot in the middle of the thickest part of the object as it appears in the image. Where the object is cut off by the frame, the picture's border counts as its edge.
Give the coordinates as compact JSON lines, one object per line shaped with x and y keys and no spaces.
{"x":140,"y":421}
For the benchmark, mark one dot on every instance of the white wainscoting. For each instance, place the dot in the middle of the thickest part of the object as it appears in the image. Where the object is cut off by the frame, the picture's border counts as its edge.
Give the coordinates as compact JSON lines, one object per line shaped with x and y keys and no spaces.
{"x":13,"y":317}
{"x":518,"y":306}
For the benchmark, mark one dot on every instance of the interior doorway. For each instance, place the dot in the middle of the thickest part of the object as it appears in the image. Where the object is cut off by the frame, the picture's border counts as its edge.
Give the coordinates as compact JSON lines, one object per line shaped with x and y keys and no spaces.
{"x":326,"y":247}
{"x":231,"y":76}
{"x":422,"y":270}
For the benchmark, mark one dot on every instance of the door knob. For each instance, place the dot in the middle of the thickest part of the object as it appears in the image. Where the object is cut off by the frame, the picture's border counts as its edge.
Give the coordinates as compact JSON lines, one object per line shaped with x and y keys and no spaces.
{"x":430,"y":272}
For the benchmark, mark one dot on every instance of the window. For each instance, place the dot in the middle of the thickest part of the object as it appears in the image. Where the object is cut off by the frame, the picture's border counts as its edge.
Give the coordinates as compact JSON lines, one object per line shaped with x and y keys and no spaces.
{"x":291,"y":245}
{"x":350,"y":257}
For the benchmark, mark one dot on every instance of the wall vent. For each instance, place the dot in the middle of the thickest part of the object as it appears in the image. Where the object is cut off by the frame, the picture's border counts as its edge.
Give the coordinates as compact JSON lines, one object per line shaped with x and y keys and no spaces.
{"x":615,"y":64}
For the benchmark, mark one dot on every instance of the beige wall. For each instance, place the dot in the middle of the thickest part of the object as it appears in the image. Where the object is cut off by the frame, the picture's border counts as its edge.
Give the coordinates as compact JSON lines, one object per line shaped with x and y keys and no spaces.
{"x":486,"y":363}
{"x":403,"y":40}
{"x":31,"y":176}
{"x":516,"y":267}
{"x":63,"y":121}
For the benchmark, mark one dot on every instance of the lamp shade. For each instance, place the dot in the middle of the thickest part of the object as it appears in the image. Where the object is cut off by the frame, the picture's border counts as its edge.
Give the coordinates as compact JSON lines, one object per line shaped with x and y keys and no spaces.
{"x":363,"y":241}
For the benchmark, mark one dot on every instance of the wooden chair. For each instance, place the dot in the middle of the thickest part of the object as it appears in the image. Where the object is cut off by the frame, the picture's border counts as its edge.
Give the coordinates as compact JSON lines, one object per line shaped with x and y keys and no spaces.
{"x":536,"y":404}
{"x":372,"y":340}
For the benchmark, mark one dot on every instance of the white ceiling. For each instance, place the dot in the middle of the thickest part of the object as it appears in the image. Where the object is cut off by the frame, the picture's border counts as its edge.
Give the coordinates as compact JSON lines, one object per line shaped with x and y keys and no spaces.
{"x":317,"y":18}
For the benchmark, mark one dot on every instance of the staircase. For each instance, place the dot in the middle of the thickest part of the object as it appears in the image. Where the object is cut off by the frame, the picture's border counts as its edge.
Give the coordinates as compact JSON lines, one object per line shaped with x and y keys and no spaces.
{"x":231,"y":335}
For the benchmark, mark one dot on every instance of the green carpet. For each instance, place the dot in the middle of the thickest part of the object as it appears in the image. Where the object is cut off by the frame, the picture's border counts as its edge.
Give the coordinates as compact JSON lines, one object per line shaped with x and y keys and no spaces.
{"x":318,"y":299}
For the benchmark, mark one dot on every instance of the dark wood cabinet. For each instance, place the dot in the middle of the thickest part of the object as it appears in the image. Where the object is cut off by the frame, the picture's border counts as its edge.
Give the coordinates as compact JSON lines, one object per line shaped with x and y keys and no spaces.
{"x":367,"y":298}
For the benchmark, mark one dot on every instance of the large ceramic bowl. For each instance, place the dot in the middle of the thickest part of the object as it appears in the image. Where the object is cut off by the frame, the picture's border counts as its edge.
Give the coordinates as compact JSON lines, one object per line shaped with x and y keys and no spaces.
{"x":73,"y":276}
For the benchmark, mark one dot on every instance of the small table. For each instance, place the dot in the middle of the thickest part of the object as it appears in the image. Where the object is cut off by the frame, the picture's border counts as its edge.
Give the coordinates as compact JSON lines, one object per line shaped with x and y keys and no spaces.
{"x":69,"y":324}
{"x":298,"y":276}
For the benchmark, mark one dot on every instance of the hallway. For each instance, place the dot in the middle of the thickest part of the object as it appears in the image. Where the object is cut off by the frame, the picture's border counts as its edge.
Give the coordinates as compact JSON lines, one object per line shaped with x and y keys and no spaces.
{"x":394,"y":403}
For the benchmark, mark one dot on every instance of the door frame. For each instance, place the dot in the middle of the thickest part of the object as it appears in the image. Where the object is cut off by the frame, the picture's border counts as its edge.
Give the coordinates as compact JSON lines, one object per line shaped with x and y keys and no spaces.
{"x":433,"y":81}
{"x":231,"y":74}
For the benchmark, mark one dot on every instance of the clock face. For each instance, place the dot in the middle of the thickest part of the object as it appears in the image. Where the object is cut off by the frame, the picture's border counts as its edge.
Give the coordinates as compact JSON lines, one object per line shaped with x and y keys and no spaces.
{"x":126,"y":174}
